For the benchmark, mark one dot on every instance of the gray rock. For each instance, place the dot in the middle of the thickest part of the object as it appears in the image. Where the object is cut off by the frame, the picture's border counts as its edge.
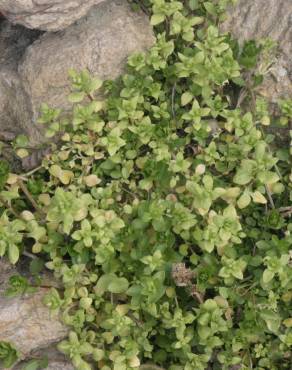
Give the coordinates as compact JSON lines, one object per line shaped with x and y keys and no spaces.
{"x":14,"y":103}
{"x":6,"y":271}
{"x":60,"y":366}
{"x":48,"y":15}
{"x":251,"y":19}
{"x":28,"y":324}
{"x":57,"y":361}
{"x":99,"y":42}
{"x":24,"y":321}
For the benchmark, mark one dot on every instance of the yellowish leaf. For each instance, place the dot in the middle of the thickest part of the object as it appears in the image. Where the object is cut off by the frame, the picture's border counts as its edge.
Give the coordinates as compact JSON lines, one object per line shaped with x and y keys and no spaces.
{"x":259,"y":198}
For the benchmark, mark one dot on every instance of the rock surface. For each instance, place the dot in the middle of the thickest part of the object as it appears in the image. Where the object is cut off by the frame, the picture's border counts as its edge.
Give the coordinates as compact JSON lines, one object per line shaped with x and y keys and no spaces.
{"x":48,"y":15}
{"x":57,"y":361}
{"x":24,"y":320}
{"x":99,"y":42}
{"x":251,"y":19}
{"x":14,"y":103}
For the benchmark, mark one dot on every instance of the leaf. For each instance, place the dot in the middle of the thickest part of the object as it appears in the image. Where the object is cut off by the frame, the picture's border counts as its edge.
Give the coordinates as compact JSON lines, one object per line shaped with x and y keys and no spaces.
{"x":31,"y":365}
{"x":197,"y":20}
{"x":242,"y":177}
{"x":76,"y":97}
{"x":194,"y":4}
{"x":272,"y":320}
{"x":186,"y":98}
{"x":268,"y":275}
{"x":13,"y":253}
{"x":118,"y":285}
{"x":259,"y":198}
{"x":156,"y":19}
{"x":268,"y":177}
{"x":204,"y":332}
{"x":288,"y":322}
{"x":36,"y":266}
{"x":244,"y":201}
{"x":22,"y":153}
{"x":211,"y":9}
{"x":134,"y":361}
{"x":91,"y":180}
{"x":55,"y":170}
{"x":66,"y":177}
{"x":111,"y":283}
{"x":95,"y":84}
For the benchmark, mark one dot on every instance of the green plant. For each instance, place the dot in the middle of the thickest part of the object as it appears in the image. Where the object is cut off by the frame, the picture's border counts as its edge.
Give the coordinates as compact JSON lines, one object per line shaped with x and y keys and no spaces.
{"x":165,"y":210}
{"x":8,"y":355}
{"x":18,"y":285}
{"x":36,"y":364}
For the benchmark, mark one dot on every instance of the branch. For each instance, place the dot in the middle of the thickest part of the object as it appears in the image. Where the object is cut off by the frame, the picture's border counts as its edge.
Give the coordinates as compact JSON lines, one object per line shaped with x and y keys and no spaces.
{"x":10,"y":208}
{"x":29,"y":197}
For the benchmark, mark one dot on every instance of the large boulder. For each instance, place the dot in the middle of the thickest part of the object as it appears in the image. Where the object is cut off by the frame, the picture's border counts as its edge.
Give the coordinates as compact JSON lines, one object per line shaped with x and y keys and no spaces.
{"x":24,"y":320}
{"x":48,"y":15}
{"x":251,"y":19}
{"x":99,"y":42}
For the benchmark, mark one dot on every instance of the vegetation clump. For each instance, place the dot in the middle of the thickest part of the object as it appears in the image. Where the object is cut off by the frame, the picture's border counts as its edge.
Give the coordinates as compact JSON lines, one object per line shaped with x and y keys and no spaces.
{"x":165,"y":207}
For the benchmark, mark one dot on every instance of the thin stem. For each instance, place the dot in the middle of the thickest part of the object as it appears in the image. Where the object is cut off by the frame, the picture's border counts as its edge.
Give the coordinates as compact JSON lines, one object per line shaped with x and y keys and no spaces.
{"x":10,"y":208}
{"x":90,"y":97}
{"x":29,"y":197}
{"x":172,"y":101}
{"x":29,"y":255}
{"x":270,"y":197}
{"x":32,"y":171}
{"x":241,"y":97}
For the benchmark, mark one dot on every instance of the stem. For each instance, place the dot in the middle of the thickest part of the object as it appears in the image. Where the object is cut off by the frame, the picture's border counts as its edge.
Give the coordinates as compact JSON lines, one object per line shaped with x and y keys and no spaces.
{"x":29,"y":197}
{"x":270,"y":197}
{"x":90,"y":97}
{"x":32,"y":171}
{"x":29,"y":255}
{"x":241,"y":97}
{"x":10,"y":208}
{"x":172,"y":101}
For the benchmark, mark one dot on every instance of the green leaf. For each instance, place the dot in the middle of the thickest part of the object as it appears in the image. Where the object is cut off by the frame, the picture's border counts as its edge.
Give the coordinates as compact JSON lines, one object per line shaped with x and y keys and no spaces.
{"x":194,"y":4}
{"x":242,"y":177}
{"x":244,"y":201}
{"x":76,"y":97}
{"x":118,"y":285}
{"x":204,"y":332}
{"x":157,"y":19}
{"x":32,"y":365}
{"x":210,"y":7}
{"x":13,"y":254}
{"x":36,"y":266}
{"x":268,"y":275}
{"x":186,"y":98}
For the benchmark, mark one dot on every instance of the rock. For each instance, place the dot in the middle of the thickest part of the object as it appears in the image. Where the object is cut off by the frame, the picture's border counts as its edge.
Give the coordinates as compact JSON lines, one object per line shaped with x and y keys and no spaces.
{"x":99,"y":42}
{"x":14,"y":103}
{"x":28,"y":324}
{"x":13,"y":41}
{"x":6,"y":271}
{"x":60,"y":366}
{"x":258,"y":19}
{"x":57,"y":361}
{"x":48,"y":15}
